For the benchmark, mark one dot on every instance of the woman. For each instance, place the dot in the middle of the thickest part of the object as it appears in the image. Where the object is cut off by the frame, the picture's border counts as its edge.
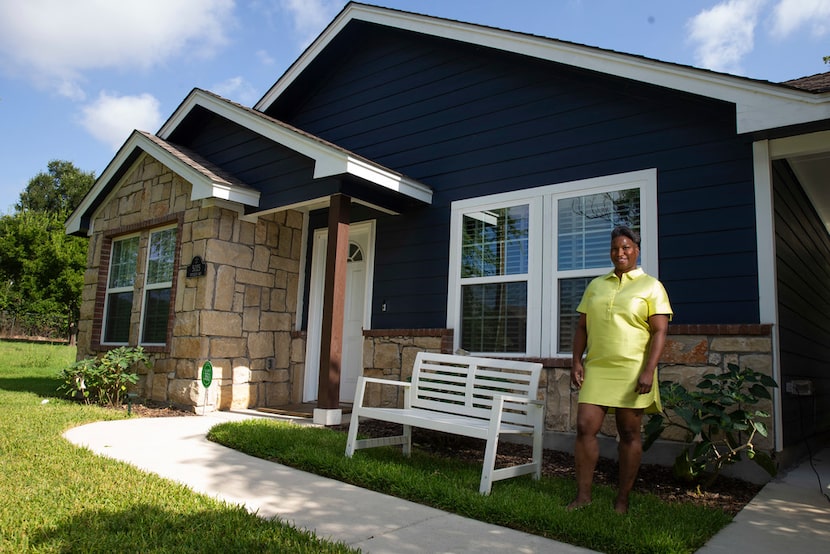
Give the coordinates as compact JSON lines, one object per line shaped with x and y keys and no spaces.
{"x":622,"y":326}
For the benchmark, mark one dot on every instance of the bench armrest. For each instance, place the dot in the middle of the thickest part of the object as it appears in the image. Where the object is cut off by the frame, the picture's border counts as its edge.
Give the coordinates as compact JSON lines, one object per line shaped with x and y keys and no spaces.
{"x":385,"y":381}
{"x":361,"y":390}
{"x":519,"y":399}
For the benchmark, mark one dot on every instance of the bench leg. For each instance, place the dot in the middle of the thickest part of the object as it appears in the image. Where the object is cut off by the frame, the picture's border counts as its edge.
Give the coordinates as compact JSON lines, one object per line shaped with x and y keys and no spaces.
{"x":538,"y":442}
{"x":407,"y":440}
{"x":489,"y":464}
{"x":351,"y":438}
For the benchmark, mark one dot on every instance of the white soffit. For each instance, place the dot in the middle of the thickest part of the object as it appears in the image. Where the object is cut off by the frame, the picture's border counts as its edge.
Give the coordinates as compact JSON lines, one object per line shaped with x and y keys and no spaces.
{"x":759,"y":105}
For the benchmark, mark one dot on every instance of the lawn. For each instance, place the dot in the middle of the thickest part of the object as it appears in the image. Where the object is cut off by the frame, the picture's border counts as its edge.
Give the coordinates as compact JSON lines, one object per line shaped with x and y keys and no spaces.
{"x":61,"y":498}
{"x":538,"y":507}
{"x":57,"y":497}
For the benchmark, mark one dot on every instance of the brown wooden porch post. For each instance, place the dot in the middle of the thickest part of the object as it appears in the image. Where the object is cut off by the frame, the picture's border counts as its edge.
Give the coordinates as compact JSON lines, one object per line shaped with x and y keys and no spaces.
{"x":334,"y":303}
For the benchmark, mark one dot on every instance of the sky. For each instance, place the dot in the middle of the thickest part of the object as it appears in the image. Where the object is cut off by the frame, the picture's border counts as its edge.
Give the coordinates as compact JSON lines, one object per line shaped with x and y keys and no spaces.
{"x":76,"y":77}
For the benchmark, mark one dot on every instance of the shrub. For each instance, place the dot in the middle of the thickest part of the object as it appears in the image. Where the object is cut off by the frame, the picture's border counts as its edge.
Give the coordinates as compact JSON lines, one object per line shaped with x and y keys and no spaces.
{"x":103,"y":380}
{"x":719,"y":420}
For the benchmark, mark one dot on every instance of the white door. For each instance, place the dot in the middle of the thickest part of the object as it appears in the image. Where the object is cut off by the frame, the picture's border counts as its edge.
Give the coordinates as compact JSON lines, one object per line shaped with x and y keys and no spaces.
{"x":357,"y":310}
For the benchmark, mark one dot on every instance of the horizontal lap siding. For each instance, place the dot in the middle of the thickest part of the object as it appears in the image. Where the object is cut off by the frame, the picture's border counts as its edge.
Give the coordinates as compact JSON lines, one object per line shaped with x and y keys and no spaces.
{"x":802,"y":251}
{"x":470,"y":122}
{"x":281,"y":175}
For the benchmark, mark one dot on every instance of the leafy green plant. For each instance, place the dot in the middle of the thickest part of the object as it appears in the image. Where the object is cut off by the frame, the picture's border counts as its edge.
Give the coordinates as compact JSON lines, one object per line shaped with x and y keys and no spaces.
{"x":105,"y":379}
{"x":720,"y":421}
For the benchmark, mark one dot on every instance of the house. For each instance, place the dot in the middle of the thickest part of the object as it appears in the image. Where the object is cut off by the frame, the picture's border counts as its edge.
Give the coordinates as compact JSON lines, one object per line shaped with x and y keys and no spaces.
{"x":417,"y":183}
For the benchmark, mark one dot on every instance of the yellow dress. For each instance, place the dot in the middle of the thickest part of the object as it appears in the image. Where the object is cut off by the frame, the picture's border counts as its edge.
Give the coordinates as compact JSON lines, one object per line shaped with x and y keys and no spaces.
{"x":617,"y":312}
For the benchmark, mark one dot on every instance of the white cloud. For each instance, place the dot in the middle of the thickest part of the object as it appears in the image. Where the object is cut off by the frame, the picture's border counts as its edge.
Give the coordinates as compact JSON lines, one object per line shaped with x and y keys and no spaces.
{"x":310,"y":17}
{"x":111,"y":119}
{"x":725,"y":33}
{"x":790,"y":15}
{"x":265,"y":58}
{"x":237,"y":89}
{"x":53,"y":42}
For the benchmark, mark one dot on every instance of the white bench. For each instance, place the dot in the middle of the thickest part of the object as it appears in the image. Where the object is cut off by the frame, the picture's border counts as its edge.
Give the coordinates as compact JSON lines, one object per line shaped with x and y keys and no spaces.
{"x":464,"y":395}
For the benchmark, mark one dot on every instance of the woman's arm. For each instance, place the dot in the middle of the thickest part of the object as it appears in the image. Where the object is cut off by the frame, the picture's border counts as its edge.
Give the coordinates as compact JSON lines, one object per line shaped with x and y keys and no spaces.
{"x":580,"y":343}
{"x":659,"y":325}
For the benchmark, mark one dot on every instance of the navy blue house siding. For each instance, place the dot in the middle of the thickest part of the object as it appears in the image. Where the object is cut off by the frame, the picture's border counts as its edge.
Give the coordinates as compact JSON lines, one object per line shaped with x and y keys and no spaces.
{"x":470,"y":121}
{"x":802,"y":250}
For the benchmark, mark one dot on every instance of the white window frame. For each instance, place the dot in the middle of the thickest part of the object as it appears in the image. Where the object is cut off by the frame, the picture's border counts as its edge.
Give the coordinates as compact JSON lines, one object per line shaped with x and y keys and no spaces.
{"x":117,"y":290}
{"x":154,"y":286}
{"x":543,"y":277}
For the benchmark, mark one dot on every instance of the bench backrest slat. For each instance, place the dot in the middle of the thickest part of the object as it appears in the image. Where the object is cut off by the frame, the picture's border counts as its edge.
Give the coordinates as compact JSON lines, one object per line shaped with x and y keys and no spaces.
{"x":466,"y":384}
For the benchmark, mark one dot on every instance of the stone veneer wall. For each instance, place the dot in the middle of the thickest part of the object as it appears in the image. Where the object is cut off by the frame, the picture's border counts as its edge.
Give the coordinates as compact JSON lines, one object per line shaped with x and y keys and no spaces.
{"x":691,"y":351}
{"x":239,"y":315}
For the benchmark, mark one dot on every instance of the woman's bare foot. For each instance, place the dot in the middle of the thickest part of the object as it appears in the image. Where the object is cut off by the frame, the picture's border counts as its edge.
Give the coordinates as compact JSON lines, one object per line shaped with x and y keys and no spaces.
{"x":621,"y":505}
{"x":578,"y":503}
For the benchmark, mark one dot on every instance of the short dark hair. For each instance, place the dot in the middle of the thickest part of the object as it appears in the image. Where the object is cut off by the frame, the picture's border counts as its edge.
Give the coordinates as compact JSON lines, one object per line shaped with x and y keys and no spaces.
{"x":624,"y":231}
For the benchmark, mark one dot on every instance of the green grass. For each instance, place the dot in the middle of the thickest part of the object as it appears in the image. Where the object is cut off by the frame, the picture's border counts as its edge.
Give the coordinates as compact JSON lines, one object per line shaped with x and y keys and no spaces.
{"x":56,"y":497}
{"x":538,"y":507}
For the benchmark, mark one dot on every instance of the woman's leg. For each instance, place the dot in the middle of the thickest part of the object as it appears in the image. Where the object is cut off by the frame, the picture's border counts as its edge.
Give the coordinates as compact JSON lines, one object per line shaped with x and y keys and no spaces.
{"x":586,"y":450}
{"x":629,"y":421}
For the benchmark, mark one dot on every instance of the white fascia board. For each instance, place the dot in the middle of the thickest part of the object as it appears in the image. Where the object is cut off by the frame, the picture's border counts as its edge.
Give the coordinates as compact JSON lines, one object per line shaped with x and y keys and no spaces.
{"x":328,"y":160}
{"x":389,"y":180}
{"x":759,"y":105}
{"x":203,"y":187}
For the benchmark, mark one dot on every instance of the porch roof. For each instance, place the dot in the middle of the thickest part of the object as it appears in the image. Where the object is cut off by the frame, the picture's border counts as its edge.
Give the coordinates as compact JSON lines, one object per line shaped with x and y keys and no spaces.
{"x":368,"y":182}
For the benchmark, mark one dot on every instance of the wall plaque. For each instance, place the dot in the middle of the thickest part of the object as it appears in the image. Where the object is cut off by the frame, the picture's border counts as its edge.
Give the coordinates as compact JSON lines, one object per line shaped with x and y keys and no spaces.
{"x":196,"y":268}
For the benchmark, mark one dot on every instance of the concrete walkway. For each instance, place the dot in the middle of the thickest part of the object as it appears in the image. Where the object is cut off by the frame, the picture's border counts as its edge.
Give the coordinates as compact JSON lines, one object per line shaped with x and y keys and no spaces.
{"x":176,"y":448}
{"x":790,"y":514}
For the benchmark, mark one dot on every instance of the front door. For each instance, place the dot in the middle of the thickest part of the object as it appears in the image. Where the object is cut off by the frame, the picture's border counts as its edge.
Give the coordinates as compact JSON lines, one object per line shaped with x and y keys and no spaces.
{"x":356,"y":314}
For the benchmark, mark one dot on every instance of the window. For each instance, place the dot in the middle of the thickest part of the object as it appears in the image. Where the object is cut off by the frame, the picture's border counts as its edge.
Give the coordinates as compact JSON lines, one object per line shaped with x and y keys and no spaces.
{"x":119,"y":301}
{"x":494,"y":272}
{"x":156,"y":282}
{"x":520,"y":261}
{"x":161,"y":253}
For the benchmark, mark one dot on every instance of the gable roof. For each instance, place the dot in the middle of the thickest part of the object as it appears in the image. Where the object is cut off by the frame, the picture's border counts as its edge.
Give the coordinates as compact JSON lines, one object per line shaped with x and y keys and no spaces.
{"x":210,"y":181}
{"x":207,"y":179}
{"x":760,"y":105}
{"x":329,"y":159}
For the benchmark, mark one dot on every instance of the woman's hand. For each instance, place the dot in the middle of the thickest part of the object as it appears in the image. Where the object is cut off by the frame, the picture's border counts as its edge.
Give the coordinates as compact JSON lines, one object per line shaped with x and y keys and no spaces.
{"x":645,"y":382}
{"x":577,"y":376}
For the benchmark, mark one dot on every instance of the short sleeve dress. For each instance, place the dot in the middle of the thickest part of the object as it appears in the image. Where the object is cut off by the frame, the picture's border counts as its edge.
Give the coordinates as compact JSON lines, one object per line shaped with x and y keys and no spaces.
{"x":617,"y":312}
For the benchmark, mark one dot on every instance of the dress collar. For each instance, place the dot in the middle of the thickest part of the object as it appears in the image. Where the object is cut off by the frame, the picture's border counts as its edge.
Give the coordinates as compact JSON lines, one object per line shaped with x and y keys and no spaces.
{"x":628,"y":275}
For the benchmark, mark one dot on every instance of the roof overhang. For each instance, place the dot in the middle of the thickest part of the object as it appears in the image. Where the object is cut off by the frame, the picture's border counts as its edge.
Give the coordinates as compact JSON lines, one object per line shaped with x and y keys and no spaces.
{"x":329,"y":159}
{"x":760,"y":105}
{"x":207,"y":180}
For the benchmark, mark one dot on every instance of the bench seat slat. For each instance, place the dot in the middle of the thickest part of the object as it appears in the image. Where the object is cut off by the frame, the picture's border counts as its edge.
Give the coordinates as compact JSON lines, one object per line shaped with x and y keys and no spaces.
{"x":438,"y":421}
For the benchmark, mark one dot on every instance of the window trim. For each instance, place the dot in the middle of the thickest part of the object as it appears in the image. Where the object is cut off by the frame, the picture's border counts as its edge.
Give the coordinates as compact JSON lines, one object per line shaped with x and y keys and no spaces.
{"x":146,"y":287}
{"x":108,"y":238}
{"x":116,"y":290}
{"x":542,"y":277}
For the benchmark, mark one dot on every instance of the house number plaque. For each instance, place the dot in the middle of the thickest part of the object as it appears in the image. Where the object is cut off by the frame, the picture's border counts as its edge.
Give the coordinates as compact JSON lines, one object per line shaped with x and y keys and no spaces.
{"x":196,"y":268}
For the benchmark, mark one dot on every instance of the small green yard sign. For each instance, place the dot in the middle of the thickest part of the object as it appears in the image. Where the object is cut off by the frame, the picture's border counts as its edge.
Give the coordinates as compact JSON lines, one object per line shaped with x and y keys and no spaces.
{"x":207,"y":374}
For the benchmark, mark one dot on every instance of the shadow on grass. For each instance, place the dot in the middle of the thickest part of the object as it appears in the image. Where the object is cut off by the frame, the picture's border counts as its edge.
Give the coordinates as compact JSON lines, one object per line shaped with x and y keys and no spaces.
{"x":41,"y":386}
{"x":150,"y":528}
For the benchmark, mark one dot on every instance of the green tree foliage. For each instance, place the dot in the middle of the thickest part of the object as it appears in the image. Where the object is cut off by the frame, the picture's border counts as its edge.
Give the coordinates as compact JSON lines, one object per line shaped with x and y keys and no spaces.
{"x":41,"y":267}
{"x":58,"y":191}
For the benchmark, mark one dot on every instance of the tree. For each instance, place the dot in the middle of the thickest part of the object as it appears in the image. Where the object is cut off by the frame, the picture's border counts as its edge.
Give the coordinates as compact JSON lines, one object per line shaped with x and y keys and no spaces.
{"x":58,"y":191}
{"x":41,"y":267}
